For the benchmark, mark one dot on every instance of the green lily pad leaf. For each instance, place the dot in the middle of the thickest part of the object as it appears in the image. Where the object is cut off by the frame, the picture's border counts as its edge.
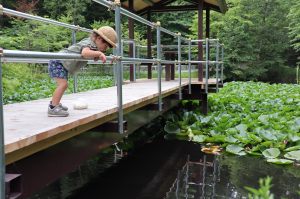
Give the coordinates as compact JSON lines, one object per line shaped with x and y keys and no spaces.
{"x":253,"y":153}
{"x":264,"y":119}
{"x":293,"y":148}
{"x":171,"y":127}
{"x":199,"y":138}
{"x":294,"y":155}
{"x":242,"y":128}
{"x":294,"y":137}
{"x":231,"y":139}
{"x":280,"y":161}
{"x":235,"y":149}
{"x":271,"y":153}
{"x":267,"y":135}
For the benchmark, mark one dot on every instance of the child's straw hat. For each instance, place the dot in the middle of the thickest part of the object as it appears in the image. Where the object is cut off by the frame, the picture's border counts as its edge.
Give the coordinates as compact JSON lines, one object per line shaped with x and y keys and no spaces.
{"x":108,"y":34}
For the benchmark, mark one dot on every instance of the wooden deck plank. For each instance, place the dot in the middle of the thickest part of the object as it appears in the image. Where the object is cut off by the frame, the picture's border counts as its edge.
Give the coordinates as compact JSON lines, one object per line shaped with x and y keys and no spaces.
{"x":27,"y":123}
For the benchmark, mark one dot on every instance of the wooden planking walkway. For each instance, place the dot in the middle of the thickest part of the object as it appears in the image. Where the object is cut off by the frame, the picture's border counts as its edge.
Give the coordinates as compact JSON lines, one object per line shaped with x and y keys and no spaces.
{"x":28,"y":129}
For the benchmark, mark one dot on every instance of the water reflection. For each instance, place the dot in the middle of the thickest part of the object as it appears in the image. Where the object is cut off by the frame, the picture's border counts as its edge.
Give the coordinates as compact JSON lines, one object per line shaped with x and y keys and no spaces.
{"x":226,"y":176}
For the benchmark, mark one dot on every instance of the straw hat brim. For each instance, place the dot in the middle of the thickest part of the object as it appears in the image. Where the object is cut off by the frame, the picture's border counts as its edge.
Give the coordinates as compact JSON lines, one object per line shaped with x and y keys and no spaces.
{"x":105,"y":38}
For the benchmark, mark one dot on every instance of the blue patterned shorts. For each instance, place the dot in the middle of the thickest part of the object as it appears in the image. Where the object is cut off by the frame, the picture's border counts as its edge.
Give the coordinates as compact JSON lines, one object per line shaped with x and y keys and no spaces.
{"x":57,"y":70}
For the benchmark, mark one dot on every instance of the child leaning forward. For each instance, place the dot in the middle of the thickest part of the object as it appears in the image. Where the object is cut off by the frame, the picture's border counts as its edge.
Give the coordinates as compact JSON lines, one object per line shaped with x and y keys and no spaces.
{"x":92,"y":47}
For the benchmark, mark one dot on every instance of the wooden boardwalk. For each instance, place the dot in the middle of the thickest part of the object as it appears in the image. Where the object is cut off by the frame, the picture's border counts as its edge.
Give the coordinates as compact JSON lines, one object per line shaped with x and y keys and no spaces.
{"x":28,"y":129}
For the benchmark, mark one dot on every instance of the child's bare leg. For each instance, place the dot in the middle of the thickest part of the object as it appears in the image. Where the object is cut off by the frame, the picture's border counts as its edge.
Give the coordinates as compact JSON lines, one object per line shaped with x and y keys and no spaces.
{"x":62,"y":85}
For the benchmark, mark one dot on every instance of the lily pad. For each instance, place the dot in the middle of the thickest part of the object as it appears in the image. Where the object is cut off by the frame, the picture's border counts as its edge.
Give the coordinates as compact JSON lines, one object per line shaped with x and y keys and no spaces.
{"x":271,"y":153}
{"x":199,"y":138}
{"x":293,"y":148}
{"x":280,"y":161}
{"x":235,"y":149}
{"x":294,"y":155}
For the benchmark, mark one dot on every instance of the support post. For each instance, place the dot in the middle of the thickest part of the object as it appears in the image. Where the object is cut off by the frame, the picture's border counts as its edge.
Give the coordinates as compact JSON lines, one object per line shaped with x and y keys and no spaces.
{"x":179,"y":64}
{"x":207,"y":24}
{"x":222,"y":67}
{"x":217,"y":66}
{"x":206,"y":65}
{"x":131,"y":36}
{"x":158,"y":41}
{"x":200,"y":36}
{"x":207,"y":30}
{"x":189,"y":65}
{"x":149,"y":43}
{"x":2,"y":151}
{"x":75,"y":83}
{"x":119,"y":65}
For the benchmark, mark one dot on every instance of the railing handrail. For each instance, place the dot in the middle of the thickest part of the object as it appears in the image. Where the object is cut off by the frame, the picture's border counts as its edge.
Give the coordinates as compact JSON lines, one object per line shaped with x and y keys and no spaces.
{"x":42,"y":19}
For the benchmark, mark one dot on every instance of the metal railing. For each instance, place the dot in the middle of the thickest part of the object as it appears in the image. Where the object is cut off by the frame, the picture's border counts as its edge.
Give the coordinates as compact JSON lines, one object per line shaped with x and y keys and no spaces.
{"x":117,"y":58}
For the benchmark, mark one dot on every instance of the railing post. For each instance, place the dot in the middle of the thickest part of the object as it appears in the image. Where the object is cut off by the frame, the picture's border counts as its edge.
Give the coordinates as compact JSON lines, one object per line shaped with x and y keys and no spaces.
{"x":159,"y":65}
{"x":134,"y":65}
{"x":222,"y":66}
{"x":206,"y":65}
{"x":2,"y":152}
{"x":189,"y":65}
{"x":119,"y":65}
{"x":217,"y":66}
{"x":75,"y":83}
{"x":179,"y":64}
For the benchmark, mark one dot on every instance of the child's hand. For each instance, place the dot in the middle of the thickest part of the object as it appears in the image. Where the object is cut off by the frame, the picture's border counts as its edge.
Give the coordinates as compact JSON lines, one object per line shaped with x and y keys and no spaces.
{"x":102,"y":57}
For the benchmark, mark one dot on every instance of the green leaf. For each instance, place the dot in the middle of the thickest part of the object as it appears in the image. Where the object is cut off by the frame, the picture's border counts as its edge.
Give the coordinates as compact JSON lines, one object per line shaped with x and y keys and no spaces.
{"x":235,"y":149}
{"x":271,"y":153}
{"x":199,"y":138}
{"x":280,"y":161}
{"x":294,"y":155}
{"x":293,"y":148}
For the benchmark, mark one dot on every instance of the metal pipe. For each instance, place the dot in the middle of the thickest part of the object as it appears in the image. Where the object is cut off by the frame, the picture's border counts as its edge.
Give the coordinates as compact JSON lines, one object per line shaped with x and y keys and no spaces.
{"x":45,"y":20}
{"x":217,"y":67}
{"x":159,"y":65}
{"x":206,"y":67}
{"x":119,"y":66}
{"x":134,"y":65}
{"x":179,"y":64}
{"x":168,"y":32}
{"x":222,"y":66}
{"x":189,"y":66}
{"x":2,"y":150}
{"x":75,"y":83}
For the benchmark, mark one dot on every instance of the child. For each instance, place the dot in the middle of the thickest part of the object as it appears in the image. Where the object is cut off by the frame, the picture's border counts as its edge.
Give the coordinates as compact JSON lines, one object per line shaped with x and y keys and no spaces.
{"x":92,"y":47}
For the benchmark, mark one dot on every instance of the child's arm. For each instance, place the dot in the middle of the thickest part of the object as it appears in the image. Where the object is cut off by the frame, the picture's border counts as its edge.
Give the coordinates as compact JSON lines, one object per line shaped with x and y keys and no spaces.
{"x":88,"y":53}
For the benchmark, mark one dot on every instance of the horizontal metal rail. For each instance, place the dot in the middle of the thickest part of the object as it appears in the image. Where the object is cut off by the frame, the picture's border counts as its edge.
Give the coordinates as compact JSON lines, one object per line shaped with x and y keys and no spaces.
{"x":45,"y":20}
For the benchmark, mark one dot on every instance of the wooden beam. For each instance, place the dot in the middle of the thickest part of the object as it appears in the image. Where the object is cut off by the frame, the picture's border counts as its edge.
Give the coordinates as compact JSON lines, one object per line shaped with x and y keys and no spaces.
{"x":155,"y":5}
{"x":180,"y":8}
{"x":200,"y":36}
{"x":149,"y":2}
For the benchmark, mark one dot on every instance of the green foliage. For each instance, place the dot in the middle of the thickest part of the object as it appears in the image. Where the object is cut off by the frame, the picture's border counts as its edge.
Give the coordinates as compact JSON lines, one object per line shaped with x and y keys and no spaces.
{"x":36,"y":36}
{"x":32,"y":87}
{"x":253,"y":118}
{"x":294,"y":26}
{"x":263,"y":192}
{"x":255,"y":39}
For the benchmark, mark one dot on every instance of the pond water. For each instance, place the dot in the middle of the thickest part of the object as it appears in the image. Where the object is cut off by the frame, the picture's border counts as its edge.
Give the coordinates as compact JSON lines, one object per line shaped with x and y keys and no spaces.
{"x":178,"y":169}
{"x":150,"y":167}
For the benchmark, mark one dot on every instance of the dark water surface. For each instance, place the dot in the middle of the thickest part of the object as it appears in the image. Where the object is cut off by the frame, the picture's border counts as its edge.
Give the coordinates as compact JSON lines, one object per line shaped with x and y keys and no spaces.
{"x":150,"y":167}
{"x":177,"y":169}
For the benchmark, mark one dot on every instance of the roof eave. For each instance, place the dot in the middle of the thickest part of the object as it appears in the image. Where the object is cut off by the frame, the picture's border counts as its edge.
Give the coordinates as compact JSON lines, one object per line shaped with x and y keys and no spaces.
{"x":223,"y":6}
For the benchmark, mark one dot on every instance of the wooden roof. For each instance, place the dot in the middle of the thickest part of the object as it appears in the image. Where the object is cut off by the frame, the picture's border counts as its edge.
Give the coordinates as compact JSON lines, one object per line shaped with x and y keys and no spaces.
{"x":142,"y":6}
